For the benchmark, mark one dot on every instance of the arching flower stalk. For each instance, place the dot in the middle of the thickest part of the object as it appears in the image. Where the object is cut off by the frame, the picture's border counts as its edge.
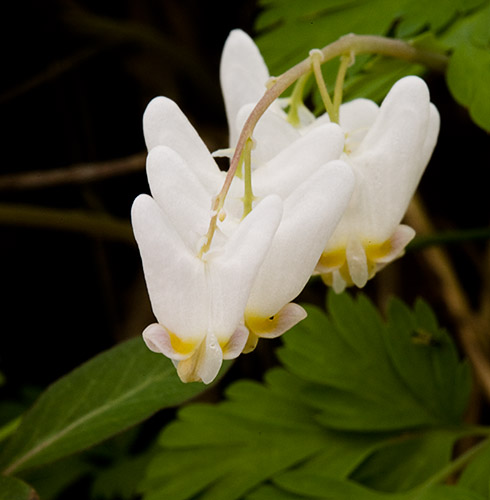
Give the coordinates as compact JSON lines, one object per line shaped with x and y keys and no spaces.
{"x":388,"y":148}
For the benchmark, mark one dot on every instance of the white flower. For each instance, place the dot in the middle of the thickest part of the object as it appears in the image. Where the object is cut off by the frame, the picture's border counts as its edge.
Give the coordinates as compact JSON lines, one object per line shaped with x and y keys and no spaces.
{"x":311,"y":213}
{"x":388,"y":148}
{"x":199,"y":301}
{"x":312,"y":209}
{"x":243,"y":76}
{"x":388,"y":156}
{"x":164,"y":124}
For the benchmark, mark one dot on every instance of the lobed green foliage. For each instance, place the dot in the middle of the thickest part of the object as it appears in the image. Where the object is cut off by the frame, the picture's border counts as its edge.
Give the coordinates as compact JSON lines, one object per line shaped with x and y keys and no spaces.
{"x":355,"y":395}
{"x":288,"y":30}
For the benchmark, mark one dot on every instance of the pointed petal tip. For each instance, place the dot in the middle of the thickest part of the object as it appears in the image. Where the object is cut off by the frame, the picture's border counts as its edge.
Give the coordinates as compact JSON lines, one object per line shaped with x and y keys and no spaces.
{"x":210,"y":361}
{"x":277,"y":324}
{"x":159,"y":339}
{"x":236,"y":344}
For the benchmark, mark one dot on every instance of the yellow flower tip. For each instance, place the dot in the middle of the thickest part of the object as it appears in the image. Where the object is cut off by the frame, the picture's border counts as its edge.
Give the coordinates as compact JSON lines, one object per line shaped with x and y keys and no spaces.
{"x":333,"y":259}
{"x":272,"y":326}
{"x":338,"y":271}
{"x":377,"y":251}
{"x":183,"y":347}
{"x":251,"y":344}
{"x":261,"y":326}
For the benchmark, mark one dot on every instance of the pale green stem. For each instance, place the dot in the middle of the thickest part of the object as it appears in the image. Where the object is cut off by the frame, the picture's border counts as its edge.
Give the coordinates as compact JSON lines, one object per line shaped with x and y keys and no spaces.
{"x":248,"y":197}
{"x":349,"y":44}
{"x":297,"y":100}
{"x":345,"y":62}
{"x":316,"y":57}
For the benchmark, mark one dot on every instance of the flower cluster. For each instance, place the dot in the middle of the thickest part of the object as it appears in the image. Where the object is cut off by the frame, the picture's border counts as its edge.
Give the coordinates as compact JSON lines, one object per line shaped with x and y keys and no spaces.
{"x":327,"y":198}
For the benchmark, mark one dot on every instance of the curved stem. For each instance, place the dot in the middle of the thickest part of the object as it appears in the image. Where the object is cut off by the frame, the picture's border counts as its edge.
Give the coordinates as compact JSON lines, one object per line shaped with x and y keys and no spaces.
{"x":248,"y":197}
{"x":316,"y":62}
{"x":345,"y":62}
{"x":297,"y":100}
{"x":349,"y":44}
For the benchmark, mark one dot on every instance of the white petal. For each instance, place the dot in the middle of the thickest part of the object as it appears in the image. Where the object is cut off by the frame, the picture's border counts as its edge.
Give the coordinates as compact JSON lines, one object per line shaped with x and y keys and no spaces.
{"x":431,"y":135}
{"x":232,"y":269}
{"x":164,"y":124}
{"x":210,"y":360}
{"x":234,"y":347}
{"x":274,"y":326}
{"x":306,"y":117}
{"x":398,"y":241}
{"x":179,"y":193}
{"x":296,"y":163}
{"x":243,"y":76}
{"x":357,"y":262}
{"x":272,"y":134}
{"x":357,"y":114}
{"x":175,"y":278}
{"x":338,"y":283}
{"x":158,"y":339}
{"x":311,"y":213}
{"x":388,"y":164}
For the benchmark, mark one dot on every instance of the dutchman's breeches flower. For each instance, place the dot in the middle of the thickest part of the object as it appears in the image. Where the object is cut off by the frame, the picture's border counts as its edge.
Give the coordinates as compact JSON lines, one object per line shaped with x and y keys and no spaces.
{"x":388,"y":156}
{"x":225,"y":256}
{"x":199,"y":300}
{"x":311,"y":212}
{"x":388,"y":148}
{"x":315,"y":196}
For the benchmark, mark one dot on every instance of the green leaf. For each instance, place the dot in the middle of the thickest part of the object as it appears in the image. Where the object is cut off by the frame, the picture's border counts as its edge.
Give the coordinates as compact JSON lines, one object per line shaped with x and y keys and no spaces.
{"x":435,"y":15}
{"x":368,"y":375}
{"x":289,"y":30}
{"x":476,"y":475}
{"x":342,"y":378}
{"x":469,"y":67}
{"x":467,"y":77}
{"x":318,"y":486}
{"x":221,"y":452}
{"x":111,"y":392}
{"x":377,"y":77}
{"x":12,"y":488}
{"x":121,"y":479}
{"x":406,"y":461}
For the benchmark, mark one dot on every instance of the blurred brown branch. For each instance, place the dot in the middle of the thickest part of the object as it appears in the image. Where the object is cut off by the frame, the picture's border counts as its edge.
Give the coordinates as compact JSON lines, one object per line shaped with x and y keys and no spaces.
{"x":76,"y":174}
{"x":472,"y":326}
{"x":92,"y":224}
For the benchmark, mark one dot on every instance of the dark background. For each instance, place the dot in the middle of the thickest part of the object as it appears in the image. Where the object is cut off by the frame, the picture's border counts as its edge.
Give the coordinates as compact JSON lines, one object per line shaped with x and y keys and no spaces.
{"x":76,"y":78}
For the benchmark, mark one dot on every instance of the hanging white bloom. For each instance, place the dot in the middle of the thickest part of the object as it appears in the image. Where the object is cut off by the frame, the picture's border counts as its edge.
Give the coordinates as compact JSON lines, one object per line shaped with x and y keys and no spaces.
{"x":312,"y":209}
{"x":388,"y":148}
{"x":311,"y":213}
{"x":388,"y":156}
{"x":244,"y":76}
{"x":198,"y":300}
{"x":164,"y":124}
